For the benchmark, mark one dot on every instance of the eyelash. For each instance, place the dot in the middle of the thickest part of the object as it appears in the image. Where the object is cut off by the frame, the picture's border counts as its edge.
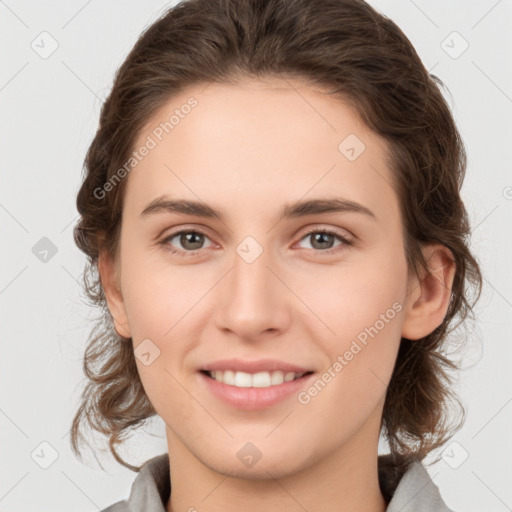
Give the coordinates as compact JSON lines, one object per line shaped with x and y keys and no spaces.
{"x":169,"y":248}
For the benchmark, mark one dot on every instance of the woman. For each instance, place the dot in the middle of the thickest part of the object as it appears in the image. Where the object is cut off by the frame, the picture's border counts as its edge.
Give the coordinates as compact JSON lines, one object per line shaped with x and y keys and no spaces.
{"x":272,"y":218}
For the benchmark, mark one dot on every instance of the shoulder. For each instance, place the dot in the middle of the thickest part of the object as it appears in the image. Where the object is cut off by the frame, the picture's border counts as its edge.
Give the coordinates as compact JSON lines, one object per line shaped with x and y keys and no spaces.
{"x":412,"y":490}
{"x":150,"y":490}
{"x":120,"y":506}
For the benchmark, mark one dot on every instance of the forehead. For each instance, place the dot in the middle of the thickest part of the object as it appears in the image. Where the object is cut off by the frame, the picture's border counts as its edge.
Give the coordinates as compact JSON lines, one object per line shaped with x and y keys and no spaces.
{"x":278,"y":139}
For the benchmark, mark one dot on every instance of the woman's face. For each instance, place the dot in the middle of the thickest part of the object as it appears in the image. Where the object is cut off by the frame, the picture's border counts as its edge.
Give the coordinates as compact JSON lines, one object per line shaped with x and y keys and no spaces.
{"x":257,"y":281}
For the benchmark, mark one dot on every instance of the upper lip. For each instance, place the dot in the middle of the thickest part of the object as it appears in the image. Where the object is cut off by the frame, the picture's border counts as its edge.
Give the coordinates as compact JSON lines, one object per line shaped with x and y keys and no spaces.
{"x":260,"y":365}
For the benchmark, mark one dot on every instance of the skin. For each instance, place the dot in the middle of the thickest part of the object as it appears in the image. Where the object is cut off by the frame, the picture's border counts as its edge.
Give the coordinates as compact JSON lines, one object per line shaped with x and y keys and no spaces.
{"x":247,"y":149}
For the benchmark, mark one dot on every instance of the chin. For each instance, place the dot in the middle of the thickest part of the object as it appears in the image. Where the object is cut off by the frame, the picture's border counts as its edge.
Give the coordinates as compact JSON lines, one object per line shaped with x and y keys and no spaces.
{"x":259,"y":459}
{"x":262,"y":470}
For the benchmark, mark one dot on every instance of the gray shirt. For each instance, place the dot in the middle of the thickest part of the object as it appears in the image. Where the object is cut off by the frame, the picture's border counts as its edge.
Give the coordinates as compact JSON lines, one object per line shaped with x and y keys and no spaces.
{"x":413,"y":491}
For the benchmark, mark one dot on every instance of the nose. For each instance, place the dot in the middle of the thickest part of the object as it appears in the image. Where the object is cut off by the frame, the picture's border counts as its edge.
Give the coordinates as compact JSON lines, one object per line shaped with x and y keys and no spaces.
{"x":253,"y":299}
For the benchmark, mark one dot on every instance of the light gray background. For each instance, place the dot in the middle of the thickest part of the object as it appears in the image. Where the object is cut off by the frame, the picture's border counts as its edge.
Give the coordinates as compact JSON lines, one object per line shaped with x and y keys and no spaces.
{"x":50,"y":111}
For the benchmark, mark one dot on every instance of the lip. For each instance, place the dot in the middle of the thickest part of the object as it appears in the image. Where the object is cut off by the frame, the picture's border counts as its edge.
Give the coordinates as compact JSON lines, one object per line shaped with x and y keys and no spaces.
{"x":253,"y":399}
{"x":260,"y":365}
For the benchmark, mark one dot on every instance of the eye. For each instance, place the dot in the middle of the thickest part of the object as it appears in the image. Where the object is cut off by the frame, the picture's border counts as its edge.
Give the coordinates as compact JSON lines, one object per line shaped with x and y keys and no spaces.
{"x":191,"y":241}
{"x":322,"y":240}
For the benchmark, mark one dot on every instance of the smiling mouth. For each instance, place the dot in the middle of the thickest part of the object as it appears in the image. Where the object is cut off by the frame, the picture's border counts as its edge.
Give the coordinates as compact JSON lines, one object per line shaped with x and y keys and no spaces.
{"x":253,"y":380}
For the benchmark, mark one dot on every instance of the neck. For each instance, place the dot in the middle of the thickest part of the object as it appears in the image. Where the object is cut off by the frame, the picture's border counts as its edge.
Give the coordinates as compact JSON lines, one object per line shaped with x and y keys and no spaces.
{"x":345,"y":479}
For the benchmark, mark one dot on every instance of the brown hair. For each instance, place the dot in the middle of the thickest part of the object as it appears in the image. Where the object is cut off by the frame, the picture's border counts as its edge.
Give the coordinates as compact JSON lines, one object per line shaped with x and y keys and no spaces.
{"x":364,"y":58}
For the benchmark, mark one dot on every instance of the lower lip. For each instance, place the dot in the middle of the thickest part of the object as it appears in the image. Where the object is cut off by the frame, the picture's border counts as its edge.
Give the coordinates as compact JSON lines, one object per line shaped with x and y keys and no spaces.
{"x":252,"y":399}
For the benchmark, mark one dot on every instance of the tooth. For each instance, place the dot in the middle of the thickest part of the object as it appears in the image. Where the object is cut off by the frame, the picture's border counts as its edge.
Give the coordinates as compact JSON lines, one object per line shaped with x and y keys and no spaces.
{"x":276,"y":378}
{"x":257,"y":380}
{"x":289,"y":376}
{"x":229,"y":377}
{"x":243,"y":380}
{"x":261,"y":380}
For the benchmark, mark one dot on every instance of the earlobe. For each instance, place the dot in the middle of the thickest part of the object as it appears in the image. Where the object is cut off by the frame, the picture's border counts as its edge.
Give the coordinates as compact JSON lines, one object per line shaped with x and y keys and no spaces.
{"x":429,"y":295}
{"x":113,"y":295}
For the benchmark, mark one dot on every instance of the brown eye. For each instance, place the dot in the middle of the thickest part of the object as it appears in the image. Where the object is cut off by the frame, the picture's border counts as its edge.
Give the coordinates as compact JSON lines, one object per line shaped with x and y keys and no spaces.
{"x":191,"y":240}
{"x":188,"y":242}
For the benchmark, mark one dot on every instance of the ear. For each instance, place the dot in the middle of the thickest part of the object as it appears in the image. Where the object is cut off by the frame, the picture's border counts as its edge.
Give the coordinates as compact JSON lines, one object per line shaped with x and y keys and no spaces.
{"x":429,"y":295}
{"x":112,"y":290}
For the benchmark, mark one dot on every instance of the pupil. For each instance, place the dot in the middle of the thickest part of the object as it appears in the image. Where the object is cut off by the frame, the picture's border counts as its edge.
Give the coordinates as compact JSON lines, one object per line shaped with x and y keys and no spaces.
{"x":320,"y":237}
{"x":188,"y":238}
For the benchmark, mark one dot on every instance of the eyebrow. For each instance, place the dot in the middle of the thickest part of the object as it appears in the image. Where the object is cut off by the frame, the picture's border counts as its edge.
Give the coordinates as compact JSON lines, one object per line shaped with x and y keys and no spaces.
{"x":297,"y":209}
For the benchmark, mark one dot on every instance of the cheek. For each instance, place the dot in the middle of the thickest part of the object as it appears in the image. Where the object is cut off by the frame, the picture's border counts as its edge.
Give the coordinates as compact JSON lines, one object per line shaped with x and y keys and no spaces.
{"x":361,"y":309}
{"x":352,"y":296}
{"x":159,"y":295}
{"x":159,"y":301}
{"x":361,"y":357}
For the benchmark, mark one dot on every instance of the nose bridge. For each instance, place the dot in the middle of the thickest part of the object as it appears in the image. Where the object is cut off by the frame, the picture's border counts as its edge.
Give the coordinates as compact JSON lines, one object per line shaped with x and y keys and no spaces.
{"x":253,"y":299}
